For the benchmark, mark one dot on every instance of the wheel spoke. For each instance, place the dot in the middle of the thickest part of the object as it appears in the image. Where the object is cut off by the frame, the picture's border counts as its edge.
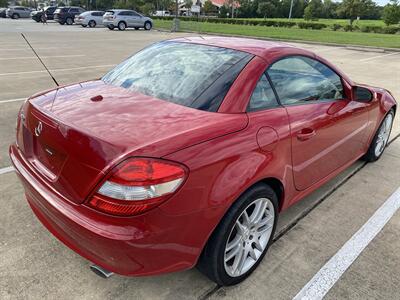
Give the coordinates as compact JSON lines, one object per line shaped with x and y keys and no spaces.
{"x":252,"y":254}
{"x":246,"y":219}
{"x":258,"y":212}
{"x":265,"y":221}
{"x":238,"y":260}
{"x":265,"y":229}
{"x":243,"y":258}
{"x":240,"y":227}
{"x":258,"y":245}
{"x":235,"y":242}
{"x":233,"y":253}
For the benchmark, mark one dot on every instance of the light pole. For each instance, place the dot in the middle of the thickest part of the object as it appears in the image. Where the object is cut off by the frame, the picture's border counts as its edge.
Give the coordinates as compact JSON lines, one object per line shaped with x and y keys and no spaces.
{"x":175,"y":26}
{"x":291,"y":8}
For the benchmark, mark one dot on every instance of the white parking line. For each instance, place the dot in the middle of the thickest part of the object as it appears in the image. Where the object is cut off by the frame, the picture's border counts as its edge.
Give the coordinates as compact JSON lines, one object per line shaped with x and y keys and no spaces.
{"x":50,"y":56}
{"x":28,"y":49}
{"x":56,"y":70}
{"x":330,"y":273}
{"x":6,"y":170}
{"x":12,"y":100}
{"x":379,"y":56}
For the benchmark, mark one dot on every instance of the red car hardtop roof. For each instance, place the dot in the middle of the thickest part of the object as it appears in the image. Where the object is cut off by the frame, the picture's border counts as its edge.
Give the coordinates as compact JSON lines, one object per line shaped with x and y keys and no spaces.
{"x":256,"y":47}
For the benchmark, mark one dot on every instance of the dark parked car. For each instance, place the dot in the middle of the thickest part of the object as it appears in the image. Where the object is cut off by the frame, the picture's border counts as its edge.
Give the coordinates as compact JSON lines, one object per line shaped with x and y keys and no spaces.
{"x":3,"y":12}
{"x":49,"y":11}
{"x":66,"y":15}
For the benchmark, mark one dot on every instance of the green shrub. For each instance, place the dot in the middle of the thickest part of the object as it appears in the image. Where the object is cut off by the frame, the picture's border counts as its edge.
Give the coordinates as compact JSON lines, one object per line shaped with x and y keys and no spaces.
{"x":391,"y":29}
{"x":309,"y":25}
{"x":336,"y":27}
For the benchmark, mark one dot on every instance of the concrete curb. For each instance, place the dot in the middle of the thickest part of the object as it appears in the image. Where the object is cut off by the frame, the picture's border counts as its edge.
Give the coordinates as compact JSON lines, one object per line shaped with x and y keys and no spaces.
{"x":350,"y":47}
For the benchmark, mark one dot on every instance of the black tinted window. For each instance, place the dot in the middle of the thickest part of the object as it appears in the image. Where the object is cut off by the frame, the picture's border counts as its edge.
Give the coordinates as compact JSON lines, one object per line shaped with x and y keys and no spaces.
{"x":176,"y":72}
{"x":73,"y":10}
{"x":97,"y":13}
{"x":135,"y":14}
{"x":124,"y":13}
{"x":299,"y":79}
{"x":263,"y":96}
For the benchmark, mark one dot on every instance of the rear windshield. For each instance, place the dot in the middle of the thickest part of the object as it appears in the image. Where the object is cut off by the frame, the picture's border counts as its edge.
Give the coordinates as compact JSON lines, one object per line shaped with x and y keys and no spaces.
{"x":175,"y":72}
{"x":63,"y":9}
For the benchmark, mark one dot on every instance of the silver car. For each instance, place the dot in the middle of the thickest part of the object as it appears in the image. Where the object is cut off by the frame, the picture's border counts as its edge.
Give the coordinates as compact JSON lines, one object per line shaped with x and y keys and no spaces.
{"x":90,"y":18}
{"x":16,"y":12}
{"x":123,"y":18}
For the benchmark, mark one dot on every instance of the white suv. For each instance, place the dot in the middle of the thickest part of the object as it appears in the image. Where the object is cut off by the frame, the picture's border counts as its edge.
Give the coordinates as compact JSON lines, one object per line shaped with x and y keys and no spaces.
{"x":90,"y":18}
{"x":123,"y":18}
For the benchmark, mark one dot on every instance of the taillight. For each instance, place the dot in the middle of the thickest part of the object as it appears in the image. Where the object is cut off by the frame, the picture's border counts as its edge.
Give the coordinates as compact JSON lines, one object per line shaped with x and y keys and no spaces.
{"x":137,"y":185}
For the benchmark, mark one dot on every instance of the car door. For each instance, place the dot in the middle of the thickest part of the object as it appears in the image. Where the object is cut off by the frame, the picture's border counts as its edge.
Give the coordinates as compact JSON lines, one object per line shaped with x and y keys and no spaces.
{"x":98,"y":17}
{"x":136,"y":20}
{"x":27,"y":12}
{"x":328,"y":130}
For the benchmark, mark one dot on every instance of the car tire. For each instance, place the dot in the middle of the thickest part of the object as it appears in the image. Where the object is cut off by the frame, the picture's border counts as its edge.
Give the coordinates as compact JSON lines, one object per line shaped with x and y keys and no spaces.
{"x":92,"y":23}
{"x":15,"y":16}
{"x":148,"y":25}
{"x":111,"y":27}
{"x":37,"y":21}
{"x":137,"y":28}
{"x":69,"y":21}
{"x":83,"y":25}
{"x":61,"y":23}
{"x":381,"y":138}
{"x":121,"y":26}
{"x":217,"y":261}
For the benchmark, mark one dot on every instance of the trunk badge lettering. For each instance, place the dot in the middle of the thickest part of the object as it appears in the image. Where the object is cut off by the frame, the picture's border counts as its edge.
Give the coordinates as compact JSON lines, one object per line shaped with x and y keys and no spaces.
{"x":38,"y":128}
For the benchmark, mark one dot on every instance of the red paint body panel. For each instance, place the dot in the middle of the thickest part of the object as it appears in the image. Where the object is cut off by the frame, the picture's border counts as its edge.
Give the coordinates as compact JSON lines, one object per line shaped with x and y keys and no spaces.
{"x":300,"y":147}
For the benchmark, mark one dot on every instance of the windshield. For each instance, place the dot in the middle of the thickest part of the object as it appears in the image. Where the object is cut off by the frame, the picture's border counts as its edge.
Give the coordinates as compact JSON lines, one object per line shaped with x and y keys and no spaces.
{"x":173,"y":71}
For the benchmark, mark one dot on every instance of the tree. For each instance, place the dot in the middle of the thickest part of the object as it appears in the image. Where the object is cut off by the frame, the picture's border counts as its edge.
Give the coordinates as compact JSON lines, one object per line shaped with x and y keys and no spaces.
{"x":352,"y":9}
{"x":391,"y":13}
{"x":3,"y":3}
{"x":224,"y":11}
{"x":329,"y":8}
{"x":313,"y":10}
{"x":208,"y":7}
{"x":266,"y":9}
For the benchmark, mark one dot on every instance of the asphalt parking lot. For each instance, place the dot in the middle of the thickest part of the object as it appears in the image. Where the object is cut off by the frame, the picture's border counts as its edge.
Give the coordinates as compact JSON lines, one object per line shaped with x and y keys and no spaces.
{"x":33,"y":264}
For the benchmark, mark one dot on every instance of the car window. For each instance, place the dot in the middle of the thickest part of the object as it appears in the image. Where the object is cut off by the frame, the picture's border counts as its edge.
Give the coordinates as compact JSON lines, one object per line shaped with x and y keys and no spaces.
{"x":298,"y":79}
{"x":123,"y":13}
{"x":176,"y":72}
{"x":135,"y":14}
{"x":263,"y":96}
{"x":97,"y":14}
{"x":73,"y":10}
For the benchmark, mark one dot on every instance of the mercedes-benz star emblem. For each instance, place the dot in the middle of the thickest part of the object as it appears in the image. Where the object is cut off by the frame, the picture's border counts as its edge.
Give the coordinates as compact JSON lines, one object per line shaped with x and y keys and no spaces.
{"x":38,"y":128}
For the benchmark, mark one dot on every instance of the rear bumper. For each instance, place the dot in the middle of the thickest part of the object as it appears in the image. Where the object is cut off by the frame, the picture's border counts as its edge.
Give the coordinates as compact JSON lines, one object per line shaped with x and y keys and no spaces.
{"x":148,"y":244}
{"x":107,"y":23}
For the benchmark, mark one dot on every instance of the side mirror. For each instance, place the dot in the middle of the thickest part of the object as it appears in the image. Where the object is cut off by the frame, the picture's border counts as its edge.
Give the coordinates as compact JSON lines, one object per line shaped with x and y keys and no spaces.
{"x":362,"y":94}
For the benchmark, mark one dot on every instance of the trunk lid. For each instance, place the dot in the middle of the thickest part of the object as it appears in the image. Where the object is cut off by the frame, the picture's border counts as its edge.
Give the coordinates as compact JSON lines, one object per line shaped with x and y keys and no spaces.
{"x":75,"y":134}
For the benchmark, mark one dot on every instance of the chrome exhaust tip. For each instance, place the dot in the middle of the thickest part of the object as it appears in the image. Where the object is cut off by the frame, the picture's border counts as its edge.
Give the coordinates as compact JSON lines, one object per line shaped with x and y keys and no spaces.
{"x":101,"y":272}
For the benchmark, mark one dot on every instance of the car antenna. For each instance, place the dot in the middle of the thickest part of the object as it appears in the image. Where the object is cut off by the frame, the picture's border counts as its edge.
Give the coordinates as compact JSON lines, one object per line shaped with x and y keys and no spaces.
{"x":48,"y":71}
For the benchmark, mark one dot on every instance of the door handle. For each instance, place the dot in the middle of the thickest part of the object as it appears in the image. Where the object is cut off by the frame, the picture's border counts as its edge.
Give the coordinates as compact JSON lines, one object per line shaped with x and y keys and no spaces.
{"x":306,"y":134}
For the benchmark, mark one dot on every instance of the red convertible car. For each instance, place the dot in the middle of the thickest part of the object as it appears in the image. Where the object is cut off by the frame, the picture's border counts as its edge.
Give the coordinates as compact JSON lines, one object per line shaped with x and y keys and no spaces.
{"x":184,"y":154}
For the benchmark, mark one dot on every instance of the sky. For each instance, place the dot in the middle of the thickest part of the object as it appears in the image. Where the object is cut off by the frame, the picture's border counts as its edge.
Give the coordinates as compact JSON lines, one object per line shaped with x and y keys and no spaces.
{"x":379,"y":2}
{"x":382,"y":2}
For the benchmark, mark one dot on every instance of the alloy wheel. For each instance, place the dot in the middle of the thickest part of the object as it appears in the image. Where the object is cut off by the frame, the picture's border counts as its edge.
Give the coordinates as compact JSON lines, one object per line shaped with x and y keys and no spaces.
{"x":249,"y":237}
{"x":383,"y":135}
